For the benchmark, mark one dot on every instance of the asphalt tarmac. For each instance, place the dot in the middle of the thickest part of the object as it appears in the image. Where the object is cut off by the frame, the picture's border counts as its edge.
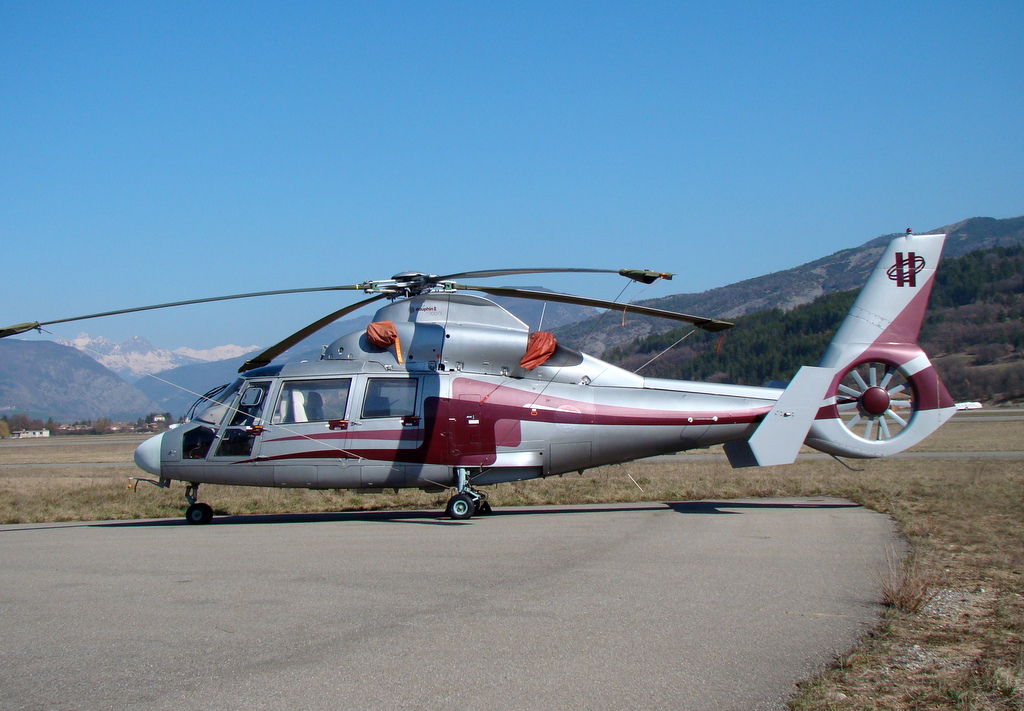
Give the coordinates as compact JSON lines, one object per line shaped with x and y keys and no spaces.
{"x":697,"y":605}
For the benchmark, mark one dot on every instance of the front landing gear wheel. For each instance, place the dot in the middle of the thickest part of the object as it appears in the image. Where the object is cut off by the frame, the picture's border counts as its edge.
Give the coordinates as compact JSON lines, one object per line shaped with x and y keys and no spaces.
{"x":460,"y":507}
{"x":199,"y":514}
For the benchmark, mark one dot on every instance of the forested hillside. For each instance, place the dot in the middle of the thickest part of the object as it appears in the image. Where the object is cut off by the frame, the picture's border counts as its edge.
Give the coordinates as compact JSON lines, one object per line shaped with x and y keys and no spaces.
{"x":974,"y":333}
{"x":846,"y":269}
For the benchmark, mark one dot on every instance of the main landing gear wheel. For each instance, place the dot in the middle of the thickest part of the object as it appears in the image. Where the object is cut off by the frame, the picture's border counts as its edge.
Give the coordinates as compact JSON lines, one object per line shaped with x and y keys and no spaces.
{"x":879,"y":399}
{"x":460,"y":507}
{"x":467,"y":500}
{"x":199,"y":514}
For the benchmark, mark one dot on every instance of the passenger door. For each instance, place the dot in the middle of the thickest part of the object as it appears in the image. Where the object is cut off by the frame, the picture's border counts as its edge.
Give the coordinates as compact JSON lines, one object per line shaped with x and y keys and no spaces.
{"x":388,"y":429}
{"x":307,"y":438}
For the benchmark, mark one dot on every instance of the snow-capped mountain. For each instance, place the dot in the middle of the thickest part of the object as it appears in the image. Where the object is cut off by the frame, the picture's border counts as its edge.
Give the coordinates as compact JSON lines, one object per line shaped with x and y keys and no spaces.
{"x":137,"y":357}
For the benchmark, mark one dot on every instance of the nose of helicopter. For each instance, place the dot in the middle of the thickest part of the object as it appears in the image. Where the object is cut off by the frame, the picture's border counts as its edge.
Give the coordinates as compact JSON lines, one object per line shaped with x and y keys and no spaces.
{"x":147,"y":455}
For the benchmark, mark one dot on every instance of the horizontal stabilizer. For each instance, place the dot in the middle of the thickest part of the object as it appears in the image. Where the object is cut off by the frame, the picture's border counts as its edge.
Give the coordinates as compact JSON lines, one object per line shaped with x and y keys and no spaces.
{"x":777,"y":440}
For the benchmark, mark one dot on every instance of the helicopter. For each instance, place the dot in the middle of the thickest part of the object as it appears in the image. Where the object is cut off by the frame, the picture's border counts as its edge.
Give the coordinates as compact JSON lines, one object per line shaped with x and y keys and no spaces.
{"x":447,"y":390}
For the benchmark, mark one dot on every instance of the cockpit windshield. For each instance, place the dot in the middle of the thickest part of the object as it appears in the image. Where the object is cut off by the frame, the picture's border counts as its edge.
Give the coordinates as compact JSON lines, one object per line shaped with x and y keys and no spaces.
{"x":217,"y":406}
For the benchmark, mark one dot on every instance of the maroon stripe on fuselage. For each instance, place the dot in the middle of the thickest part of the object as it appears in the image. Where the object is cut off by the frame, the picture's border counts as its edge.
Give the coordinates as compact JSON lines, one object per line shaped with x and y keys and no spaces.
{"x":482,"y":416}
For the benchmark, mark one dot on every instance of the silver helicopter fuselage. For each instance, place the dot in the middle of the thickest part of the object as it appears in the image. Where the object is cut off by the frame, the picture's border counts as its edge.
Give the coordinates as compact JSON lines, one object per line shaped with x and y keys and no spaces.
{"x":450,"y":395}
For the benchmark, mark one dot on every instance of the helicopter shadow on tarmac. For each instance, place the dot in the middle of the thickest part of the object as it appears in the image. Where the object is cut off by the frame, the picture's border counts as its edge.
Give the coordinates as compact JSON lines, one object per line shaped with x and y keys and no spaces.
{"x":412,"y":516}
{"x":716,"y":507}
{"x":432,"y":518}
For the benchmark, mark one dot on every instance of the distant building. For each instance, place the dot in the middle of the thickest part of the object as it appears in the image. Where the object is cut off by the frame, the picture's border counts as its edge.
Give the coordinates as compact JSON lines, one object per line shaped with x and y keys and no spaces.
{"x":24,"y":434}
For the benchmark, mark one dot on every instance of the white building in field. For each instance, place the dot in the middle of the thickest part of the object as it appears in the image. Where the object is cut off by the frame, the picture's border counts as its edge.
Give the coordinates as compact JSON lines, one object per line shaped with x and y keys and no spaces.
{"x":24,"y":434}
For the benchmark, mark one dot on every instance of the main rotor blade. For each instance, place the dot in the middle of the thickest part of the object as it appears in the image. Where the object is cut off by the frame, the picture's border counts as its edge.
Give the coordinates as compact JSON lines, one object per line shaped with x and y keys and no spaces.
{"x":644,"y":275}
{"x":486,"y":273}
{"x":23,"y":327}
{"x":708,"y":324}
{"x":274,"y":351}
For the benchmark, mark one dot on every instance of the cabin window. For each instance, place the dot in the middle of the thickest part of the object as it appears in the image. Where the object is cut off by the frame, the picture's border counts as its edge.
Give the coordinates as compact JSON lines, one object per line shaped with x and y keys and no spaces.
{"x":390,"y":397}
{"x":312,"y":401}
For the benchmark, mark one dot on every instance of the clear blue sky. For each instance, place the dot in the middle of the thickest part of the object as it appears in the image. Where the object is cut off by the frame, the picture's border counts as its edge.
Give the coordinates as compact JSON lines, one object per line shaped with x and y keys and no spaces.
{"x":160,"y":151}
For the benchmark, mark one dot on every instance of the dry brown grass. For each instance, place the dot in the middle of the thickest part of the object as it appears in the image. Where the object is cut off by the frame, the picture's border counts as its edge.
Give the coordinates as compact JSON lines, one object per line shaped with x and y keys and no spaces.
{"x":951,"y":638}
{"x":976,"y":433}
{"x":904,"y":584}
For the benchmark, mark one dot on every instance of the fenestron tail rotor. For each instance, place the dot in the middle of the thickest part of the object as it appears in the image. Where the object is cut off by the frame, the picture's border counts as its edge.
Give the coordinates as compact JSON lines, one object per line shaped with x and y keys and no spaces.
{"x":877,"y":401}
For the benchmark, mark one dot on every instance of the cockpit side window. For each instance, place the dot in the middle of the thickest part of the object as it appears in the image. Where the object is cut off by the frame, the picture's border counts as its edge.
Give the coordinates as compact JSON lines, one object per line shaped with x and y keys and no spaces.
{"x":213,"y":412}
{"x":239,"y":436}
{"x":250,"y":405}
{"x":312,"y":401}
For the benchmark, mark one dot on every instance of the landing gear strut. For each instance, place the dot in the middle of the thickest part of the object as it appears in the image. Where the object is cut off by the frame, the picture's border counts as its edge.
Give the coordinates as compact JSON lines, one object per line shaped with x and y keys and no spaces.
{"x":196,"y":513}
{"x":467,"y":501}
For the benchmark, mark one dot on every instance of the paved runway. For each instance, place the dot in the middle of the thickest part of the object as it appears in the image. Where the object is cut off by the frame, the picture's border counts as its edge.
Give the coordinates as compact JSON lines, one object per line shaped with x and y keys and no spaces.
{"x":706,"y":605}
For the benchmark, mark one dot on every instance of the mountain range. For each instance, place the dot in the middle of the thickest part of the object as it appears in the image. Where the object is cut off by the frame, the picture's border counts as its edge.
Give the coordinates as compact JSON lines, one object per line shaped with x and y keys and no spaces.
{"x":46,"y":379}
{"x":137,"y":357}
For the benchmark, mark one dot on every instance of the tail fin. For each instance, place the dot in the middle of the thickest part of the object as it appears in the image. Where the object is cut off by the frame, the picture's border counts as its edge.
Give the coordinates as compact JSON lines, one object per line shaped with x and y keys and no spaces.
{"x":878,"y":393}
{"x":883,"y":380}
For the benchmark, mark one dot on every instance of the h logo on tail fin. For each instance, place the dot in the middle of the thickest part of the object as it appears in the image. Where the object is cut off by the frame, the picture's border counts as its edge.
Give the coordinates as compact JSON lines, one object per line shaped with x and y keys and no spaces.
{"x":904,"y":271}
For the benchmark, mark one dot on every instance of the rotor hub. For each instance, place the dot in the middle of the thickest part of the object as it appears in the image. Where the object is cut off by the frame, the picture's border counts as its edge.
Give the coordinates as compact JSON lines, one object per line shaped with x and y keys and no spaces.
{"x":875,"y":401}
